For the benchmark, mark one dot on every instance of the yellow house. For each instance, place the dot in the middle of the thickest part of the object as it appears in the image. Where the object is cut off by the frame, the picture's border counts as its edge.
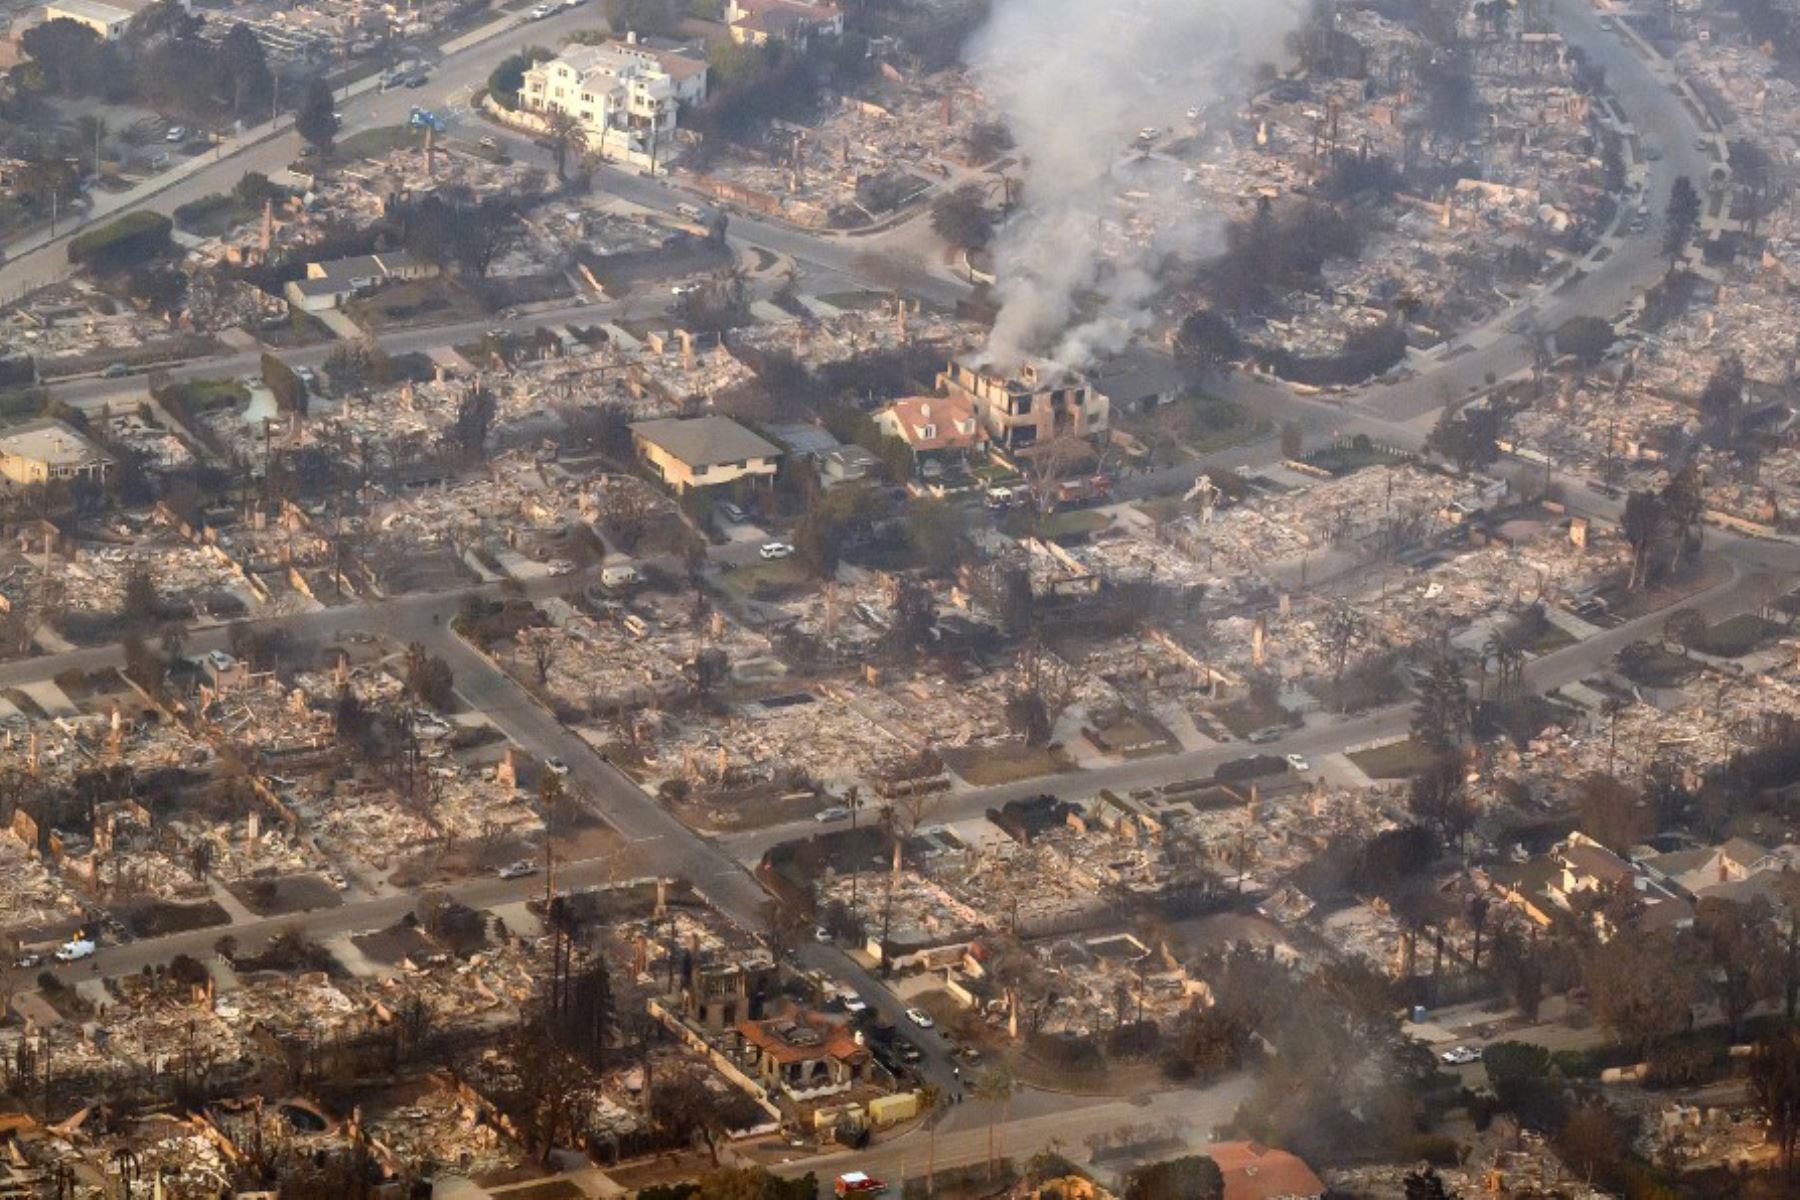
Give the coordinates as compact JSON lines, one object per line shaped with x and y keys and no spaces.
{"x":45,"y":450}
{"x":700,"y":452}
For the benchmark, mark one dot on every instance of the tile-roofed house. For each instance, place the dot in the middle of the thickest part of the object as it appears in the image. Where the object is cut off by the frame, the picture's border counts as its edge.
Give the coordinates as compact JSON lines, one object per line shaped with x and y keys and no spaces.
{"x":757,"y":22}
{"x":693,"y":452}
{"x":1254,"y":1171}
{"x":804,"y":1055}
{"x":934,"y":424}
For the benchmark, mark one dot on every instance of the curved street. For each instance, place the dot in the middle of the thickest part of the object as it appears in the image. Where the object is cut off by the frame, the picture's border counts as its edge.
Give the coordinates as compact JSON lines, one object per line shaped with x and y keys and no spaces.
{"x":656,"y":842}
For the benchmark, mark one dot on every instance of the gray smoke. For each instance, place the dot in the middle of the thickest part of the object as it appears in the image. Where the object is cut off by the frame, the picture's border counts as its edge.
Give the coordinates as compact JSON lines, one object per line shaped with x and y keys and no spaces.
{"x":1075,"y":81}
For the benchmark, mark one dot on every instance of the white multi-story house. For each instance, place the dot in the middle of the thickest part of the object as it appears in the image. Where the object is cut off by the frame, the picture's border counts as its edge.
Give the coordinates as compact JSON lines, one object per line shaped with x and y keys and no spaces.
{"x":625,"y":96}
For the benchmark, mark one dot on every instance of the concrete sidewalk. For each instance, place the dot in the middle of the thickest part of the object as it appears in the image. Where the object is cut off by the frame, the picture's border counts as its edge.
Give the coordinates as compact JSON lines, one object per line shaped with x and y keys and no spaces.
{"x":108,"y":205}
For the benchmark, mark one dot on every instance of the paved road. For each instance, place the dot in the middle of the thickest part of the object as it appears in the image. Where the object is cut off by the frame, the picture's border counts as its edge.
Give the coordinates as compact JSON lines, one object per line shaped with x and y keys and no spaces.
{"x":655,"y":840}
{"x":1605,"y":288}
{"x":453,"y":77}
{"x":962,"y":1137}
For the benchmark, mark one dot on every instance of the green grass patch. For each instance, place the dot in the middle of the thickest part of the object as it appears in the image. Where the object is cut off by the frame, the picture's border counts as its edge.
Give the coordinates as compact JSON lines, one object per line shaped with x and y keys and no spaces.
{"x":1654,"y":665}
{"x":204,"y":396}
{"x":1549,"y":639}
{"x":436,"y":301}
{"x":986,"y":766}
{"x":1737,"y":636}
{"x":1244,"y":717}
{"x":1352,"y":455}
{"x":1396,"y":760}
{"x":212,"y":216}
{"x":373,"y":143}
{"x":1076,"y":523}
{"x":769,"y":581}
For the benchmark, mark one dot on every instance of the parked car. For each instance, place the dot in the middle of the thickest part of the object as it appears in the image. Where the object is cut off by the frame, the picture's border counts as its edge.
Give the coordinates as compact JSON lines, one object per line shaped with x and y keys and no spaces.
{"x":556,"y":766}
{"x":30,"y":960}
{"x":1461,"y":1056}
{"x":75,"y":950}
{"x":518,"y":870}
{"x":1297,"y":762}
{"x":822,"y":935}
{"x":836,"y":812}
{"x":776,"y":550}
{"x":733,"y":513}
{"x":540,"y":11}
{"x":116,"y":371}
{"x":858,"y":1183}
{"x":1272,"y":733}
{"x":920,"y":1017}
{"x":177,"y":133}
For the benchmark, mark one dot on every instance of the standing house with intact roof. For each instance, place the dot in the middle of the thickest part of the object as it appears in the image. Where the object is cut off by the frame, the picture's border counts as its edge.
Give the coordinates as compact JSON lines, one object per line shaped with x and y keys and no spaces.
{"x":703,"y":452}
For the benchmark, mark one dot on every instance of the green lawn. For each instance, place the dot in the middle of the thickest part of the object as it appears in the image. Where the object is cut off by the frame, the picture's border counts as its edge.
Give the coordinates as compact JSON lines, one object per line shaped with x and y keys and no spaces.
{"x":1347,"y":457}
{"x":1737,"y":636}
{"x":1244,"y":717}
{"x":1397,"y":760}
{"x":988,"y":766}
{"x":203,"y":396}
{"x":212,"y":216}
{"x":1080,"y":522}
{"x":373,"y":143}
{"x":1653,"y":665}
{"x":769,"y":580}
{"x":436,"y":301}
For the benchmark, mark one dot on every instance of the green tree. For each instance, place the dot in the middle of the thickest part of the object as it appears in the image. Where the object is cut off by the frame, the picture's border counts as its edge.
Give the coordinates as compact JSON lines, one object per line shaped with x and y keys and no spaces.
{"x":1775,"y":1090}
{"x":1743,"y":947}
{"x":1441,"y":714}
{"x":142,"y":606}
{"x":244,"y":67}
{"x":935,"y":529}
{"x":653,"y":18}
{"x":995,"y":1088}
{"x":1681,"y":218}
{"x":1642,"y":987}
{"x":1642,"y":525}
{"x":1438,"y":798}
{"x":1587,"y":339}
{"x":506,"y":79}
{"x":1205,"y":343}
{"x":962,"y":219}
{"x":1722,"y":397}
{"x":316,"y":118}
{"x":67,"y":52}
{"x":565,"y":136}
{"x":1190,"y":1177}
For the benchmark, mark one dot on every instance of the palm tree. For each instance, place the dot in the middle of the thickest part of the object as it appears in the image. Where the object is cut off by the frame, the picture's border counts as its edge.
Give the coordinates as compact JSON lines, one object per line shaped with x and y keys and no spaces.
{"x":932,"y":1102}
{"x":90,"y":128}
{"x":996,"y":1088}
{"x":564,"y":134}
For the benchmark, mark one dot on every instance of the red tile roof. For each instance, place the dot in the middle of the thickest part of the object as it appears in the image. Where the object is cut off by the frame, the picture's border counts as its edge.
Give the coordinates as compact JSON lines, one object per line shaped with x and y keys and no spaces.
{"x":1256,"y":1172}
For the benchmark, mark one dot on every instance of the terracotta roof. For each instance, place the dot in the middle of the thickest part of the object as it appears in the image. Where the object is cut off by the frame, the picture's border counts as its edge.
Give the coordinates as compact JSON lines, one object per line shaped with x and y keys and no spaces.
{"x":1256,"y":1172}
{"x":813,"y":12}
{"x":804,"y":1037}
{"x":914,"y":413}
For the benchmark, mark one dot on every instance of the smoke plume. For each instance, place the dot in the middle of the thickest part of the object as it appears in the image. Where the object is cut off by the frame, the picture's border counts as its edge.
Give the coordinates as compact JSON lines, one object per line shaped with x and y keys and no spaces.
{"x":1075,"y":81}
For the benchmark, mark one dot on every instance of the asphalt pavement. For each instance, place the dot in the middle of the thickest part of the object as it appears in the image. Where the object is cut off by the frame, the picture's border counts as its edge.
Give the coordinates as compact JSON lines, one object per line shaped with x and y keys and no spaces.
{"x":655,"y":841}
